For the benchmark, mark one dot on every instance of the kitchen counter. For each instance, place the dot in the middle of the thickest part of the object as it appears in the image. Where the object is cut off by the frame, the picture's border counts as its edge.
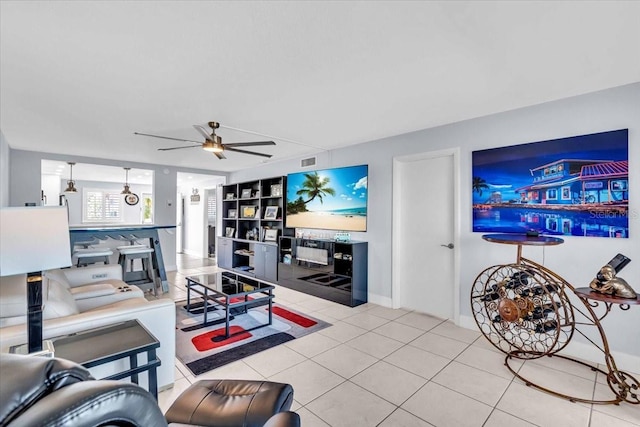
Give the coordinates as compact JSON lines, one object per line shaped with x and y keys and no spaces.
{"x":125,"y":233}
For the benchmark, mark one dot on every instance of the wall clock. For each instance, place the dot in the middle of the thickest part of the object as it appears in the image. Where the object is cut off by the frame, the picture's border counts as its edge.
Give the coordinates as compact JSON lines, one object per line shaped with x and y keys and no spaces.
{"x":131,"y":199}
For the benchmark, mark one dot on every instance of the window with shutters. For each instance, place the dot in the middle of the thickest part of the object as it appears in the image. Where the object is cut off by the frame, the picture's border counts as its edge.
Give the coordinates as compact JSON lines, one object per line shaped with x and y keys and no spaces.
{"x":101,"y":205}
{"x":211,"y":207}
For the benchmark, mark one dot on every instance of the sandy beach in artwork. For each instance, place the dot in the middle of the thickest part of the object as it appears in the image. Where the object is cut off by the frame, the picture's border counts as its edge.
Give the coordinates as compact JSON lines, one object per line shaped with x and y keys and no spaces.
{"x":327,"y":221}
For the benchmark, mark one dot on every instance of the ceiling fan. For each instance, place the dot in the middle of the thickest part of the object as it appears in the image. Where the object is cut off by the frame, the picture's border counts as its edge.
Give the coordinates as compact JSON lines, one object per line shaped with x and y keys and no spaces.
{"x":213,"y":143}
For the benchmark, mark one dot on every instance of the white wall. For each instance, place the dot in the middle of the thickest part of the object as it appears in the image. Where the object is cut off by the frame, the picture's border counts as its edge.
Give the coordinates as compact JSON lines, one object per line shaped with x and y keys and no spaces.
{"x":130,"y":214}
{"x":577,"y":260}
{"x":4,"y":171}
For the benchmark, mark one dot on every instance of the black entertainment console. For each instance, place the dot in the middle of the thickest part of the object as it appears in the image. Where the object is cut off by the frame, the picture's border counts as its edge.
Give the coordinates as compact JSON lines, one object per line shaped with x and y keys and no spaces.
{"x":336,"y":271}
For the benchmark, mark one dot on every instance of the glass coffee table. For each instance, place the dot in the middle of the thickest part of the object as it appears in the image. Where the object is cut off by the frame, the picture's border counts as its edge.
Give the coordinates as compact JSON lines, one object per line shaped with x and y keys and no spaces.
{"x":228,"y":291}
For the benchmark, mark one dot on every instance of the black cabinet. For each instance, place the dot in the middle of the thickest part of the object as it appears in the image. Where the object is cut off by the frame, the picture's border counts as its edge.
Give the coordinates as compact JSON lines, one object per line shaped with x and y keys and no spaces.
{"x":336,"y":271}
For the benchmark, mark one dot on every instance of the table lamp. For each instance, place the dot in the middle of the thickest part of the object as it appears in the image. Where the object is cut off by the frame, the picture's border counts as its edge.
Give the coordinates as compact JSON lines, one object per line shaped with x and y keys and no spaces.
{"x":33,"y":239}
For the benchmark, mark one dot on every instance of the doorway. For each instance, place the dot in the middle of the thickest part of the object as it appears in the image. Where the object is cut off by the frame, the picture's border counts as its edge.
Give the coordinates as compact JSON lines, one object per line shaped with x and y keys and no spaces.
{"x":425,"y":270}
{"x":196,"y":207}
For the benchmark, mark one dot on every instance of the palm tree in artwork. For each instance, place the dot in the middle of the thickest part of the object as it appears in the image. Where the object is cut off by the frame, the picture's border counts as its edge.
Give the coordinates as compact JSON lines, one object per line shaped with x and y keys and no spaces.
{"x":315,"y":187}
{"x":479,"y":184}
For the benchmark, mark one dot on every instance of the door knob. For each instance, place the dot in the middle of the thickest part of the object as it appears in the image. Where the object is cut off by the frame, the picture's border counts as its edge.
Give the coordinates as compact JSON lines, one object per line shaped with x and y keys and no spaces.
{"x":450,"y":246}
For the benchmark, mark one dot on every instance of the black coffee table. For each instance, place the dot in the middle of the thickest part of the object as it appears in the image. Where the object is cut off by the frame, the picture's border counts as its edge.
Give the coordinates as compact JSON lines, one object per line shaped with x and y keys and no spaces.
{"x":229,"y":290}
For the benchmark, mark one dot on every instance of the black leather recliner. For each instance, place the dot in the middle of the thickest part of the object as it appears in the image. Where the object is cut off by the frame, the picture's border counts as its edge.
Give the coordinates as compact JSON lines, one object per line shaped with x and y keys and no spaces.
{"x":39,"y":391}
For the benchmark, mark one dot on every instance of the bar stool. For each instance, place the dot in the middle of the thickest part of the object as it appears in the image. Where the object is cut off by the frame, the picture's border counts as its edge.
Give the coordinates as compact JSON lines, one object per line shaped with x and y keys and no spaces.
{"x":130,"y":246}
{"x":145,"y":278}
{"x":86,"y":256}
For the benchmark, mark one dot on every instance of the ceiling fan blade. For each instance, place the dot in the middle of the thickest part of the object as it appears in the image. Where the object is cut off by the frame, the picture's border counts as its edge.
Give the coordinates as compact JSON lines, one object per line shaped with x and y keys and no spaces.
{"x":220,"y":156}
{"x":179,"y":148}
{"x":249,"y":144}
{"x":246,"y":152}
{"x":203,"y":131}
{"x":166,"y":137}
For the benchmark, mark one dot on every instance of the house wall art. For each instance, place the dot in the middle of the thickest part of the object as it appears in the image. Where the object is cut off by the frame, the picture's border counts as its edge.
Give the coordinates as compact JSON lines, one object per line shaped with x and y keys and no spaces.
{"x":576,"y":186}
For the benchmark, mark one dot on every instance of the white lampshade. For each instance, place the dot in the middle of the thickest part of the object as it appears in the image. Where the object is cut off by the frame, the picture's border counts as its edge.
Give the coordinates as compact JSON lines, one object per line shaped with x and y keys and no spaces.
{"x":33,"y":239}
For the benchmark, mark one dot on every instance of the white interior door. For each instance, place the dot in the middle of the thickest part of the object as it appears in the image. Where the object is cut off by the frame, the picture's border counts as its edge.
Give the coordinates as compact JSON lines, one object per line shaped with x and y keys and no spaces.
{"x":424,"y":277}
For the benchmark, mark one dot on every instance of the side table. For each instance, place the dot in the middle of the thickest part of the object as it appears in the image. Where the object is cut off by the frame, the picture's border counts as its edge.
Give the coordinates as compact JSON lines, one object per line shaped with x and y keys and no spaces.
{"x":103,"y":345}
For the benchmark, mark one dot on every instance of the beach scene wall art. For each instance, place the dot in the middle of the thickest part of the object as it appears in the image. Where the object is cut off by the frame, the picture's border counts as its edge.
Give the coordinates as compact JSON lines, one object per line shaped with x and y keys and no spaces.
{"x":329,"y":199}
{"x":575,"y":186}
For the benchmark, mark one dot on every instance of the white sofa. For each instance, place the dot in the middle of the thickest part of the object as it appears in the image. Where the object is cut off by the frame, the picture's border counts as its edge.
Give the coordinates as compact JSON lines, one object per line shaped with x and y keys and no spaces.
{"x":77,"y":299}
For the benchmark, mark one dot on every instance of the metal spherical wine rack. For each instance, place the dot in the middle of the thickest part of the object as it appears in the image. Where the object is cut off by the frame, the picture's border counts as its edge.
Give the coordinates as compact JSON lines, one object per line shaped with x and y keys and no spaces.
{"x":524,"y":310}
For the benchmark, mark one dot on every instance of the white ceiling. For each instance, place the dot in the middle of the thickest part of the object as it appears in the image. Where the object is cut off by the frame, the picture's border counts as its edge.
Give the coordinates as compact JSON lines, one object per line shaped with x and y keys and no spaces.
{"x":79,"y":77}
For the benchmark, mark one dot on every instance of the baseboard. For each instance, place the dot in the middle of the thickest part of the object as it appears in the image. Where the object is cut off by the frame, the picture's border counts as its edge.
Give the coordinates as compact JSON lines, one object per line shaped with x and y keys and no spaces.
{"x":379,"y":300}
{"x":577,"y":349}
{"x":585,"y":351}
{"x":468,"y":322}
{"x":170,"y":268}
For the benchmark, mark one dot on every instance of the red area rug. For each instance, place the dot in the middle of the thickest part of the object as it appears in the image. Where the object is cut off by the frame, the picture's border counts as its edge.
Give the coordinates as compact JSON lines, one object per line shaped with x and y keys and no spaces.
{"x":303,"y":321}
{"x":206,"y":341}
{"x":200,"y":351}
{"x":237,"y":299}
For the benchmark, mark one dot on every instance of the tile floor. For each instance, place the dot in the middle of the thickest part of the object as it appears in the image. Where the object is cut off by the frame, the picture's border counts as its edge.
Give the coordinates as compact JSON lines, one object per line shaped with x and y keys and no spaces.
{"x":381,"y":367}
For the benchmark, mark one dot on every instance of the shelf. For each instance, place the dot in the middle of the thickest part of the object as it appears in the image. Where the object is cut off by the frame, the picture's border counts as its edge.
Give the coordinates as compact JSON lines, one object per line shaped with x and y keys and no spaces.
{"x":258,"y":200}
{"x":589,"y":293}
{"x":244,"y":252}
{"x":522,"y":239}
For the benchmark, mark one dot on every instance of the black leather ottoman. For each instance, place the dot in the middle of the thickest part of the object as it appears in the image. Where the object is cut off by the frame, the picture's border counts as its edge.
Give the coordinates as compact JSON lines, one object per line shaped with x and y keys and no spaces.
{"x":230,"y":403}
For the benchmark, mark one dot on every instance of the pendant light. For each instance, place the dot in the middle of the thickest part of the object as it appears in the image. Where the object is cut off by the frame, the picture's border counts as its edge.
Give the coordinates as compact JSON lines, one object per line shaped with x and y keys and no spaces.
{"x":126,"y":182}
{"x":71,"y":184}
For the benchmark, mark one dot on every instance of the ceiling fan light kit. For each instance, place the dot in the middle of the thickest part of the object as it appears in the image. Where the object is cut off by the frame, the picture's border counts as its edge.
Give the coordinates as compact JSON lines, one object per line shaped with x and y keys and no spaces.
{"x":214,"y":146}
{"x":71,"y":184}
{"x":213,"y":143}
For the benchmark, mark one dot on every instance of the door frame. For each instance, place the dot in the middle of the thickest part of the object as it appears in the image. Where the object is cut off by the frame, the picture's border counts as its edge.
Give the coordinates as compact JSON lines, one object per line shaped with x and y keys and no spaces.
{"x":395,"y":229}
{"x":179,"y":223}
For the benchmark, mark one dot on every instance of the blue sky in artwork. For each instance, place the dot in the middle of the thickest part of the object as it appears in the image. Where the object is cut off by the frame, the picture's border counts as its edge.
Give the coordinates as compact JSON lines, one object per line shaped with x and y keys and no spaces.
{"x":350,"y":185}
{"x":505,"y":169}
